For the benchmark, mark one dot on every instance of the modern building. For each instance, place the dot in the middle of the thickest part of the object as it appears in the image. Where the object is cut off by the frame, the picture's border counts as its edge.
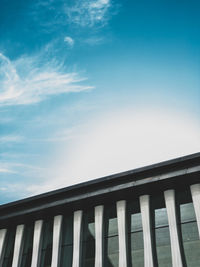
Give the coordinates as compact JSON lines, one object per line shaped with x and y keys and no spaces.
{"x":140,"y":218}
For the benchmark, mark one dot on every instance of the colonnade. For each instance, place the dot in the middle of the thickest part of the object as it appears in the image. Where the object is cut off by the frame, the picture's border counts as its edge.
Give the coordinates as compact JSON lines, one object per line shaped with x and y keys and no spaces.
{"x":169,"y":196}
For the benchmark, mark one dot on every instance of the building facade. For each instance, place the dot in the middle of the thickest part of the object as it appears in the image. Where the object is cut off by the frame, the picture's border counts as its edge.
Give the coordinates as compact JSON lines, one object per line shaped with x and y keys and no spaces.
{"x":146,"y":217}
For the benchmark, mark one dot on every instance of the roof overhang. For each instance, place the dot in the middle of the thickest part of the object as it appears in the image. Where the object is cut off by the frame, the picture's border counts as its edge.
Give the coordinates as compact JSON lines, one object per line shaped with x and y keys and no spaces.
{"x":176,"y":173}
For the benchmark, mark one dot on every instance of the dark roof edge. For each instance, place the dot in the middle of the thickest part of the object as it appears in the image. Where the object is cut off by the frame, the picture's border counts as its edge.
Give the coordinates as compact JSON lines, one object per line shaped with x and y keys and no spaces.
{"x":148,"y":168}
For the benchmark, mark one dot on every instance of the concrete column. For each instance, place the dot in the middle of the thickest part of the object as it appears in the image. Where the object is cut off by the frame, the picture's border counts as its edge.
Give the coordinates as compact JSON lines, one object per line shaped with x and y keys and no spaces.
{"x":174,"y":239}
{"x":195,"y":191}
{"x":121,"y":221}
{"x":56,"y":240}
{"x":37,"y":243}
{"x":18,"y":246}
{"x":146,"y":226}
{"x":99,"y":236}
{"x":2,"y":244}
{"x":77,"y":238}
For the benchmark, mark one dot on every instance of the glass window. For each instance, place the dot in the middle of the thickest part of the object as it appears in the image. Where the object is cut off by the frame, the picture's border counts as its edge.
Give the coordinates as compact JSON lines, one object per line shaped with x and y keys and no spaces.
{"x":137,"y":249}
{"x":88,"y":259}
{"x":161,"y":217}
{"x":135,"y":237}
{"x":163,"y":248}
{"x":67,"y":241}
{"x":190,"y":243}
{"x":134,"y":216}
{"x":9,"y":248}
{"x":189,"y":233}
{"x":88,"y":245}
{"x":111,"y":237}
{"x":112,"y":227}
{"x":136,"y":222}
{"x":88,"y":225}
{"x":28,"y":246}
{"x":66,"y":256}
{"x":112,"y":251}
{"x":67,"y":230}
{"x":46,"y":253}
{"x":161,"y":232}
{"x":187,"y":212}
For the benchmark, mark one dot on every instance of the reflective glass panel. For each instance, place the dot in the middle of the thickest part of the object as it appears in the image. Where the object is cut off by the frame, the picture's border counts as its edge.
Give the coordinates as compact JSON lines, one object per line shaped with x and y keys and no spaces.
{"x":28,"y":246}
{"x":111,"y":237}
{"x":187,"y":212}
{"x":9,"y":249}
{"x":160,"y":234}
{"x":134,"y":216}
{"x":67,"y":241}
{"x":88,"y":253}
{"x":67,"y":230}
{"x":88,"y":225}
{"x":46,"y":253}
{"x":112,"y":253}
{"x":137,"y":249}
{"x":161,"y":217}
{"x":88,"y":244}
{"x":66,"y":256}
{"x":136,"y":222}
{"x":111,"y":228}
{"x":163,"y":248}
{"x":191,"y":244}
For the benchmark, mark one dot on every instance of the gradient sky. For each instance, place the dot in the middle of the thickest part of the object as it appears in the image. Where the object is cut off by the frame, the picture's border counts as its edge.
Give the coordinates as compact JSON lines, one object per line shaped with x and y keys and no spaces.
{"x":90,"y":88}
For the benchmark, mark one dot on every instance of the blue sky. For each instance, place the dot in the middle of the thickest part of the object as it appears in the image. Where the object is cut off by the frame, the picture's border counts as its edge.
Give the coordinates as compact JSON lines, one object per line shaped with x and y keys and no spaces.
{"x":91,"y":88}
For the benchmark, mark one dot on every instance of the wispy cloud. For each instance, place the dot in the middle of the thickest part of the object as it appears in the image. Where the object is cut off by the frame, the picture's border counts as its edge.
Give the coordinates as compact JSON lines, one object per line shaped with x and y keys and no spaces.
{"x":25,"y":81}
{"x":11,"y":139}
{"x":25,"y":170}
{"x":82,"y":13}
{"x":94,"y":40}
{"x":68,"y":40}
{"x":3,"y":170}
{"x":88,"y":13}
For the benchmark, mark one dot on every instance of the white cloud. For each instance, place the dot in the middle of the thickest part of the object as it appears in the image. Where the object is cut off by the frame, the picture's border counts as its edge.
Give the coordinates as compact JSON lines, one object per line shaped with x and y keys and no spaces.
{"x":119,"y":142}
{"x":89,"y":13}
{"x":11,"y":139}
{"x":95,"y":40}
{"x":25,"y":81}
{"x":69,"y":41}
{"x":23,"y":170}
{"x":3,"y":189}
{"x":3,"y":170}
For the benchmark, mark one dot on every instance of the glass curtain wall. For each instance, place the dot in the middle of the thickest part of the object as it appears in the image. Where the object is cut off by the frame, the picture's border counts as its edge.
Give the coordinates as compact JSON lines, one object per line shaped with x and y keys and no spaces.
{"x":135,"y":235}
{"x":111,"y":236}
{"x":188,"y":228}
{"x":88,"y":241}
{"x":47,"y":238}
{"x":28,"y":246}
{"x":9,"y":247}
{"x":67,"y":241}
{"x":161,"y":236}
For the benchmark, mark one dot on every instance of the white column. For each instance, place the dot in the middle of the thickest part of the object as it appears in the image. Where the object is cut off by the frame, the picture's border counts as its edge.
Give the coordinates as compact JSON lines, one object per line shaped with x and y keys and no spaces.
{"x":146,"y":226}
{"x":56,"y":240}
{"x":99,"y":236}
{"x":174,"y":240}
{"x":2,"y":244}
{"x":195,"y":191}
{"x":77,"y":238}
{"x":121,"y":221}
{"x":37,"y":243}
{"x":18,"y":247}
